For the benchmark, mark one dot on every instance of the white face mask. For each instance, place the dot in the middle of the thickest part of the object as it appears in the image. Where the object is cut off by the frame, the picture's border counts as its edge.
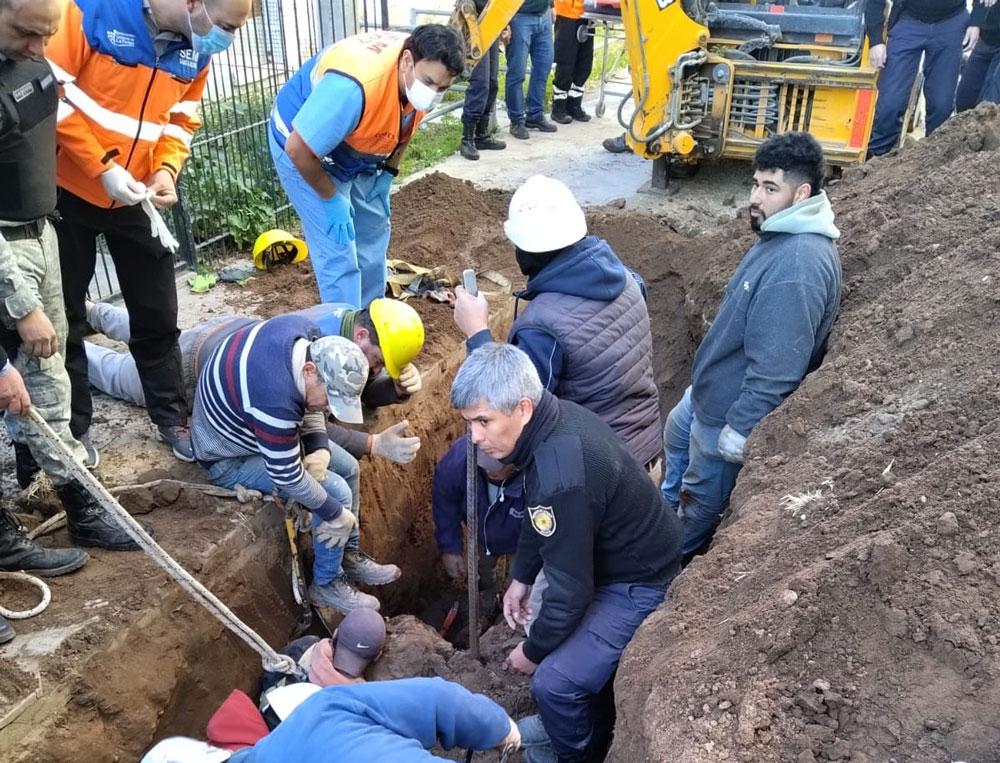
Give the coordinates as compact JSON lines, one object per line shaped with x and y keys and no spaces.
{"x":422,"y":97}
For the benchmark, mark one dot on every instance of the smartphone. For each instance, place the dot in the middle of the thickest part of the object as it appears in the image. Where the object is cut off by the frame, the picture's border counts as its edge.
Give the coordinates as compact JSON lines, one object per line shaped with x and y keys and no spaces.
{"x":469,"y":282}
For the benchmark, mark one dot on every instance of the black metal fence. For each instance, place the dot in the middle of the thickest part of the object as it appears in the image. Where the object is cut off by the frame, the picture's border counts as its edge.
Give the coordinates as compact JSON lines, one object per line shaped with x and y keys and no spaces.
{"x":229,"y":191}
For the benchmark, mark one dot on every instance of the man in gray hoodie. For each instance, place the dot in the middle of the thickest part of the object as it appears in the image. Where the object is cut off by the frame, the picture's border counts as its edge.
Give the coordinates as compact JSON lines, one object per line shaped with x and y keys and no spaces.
{"x":770,"y":331}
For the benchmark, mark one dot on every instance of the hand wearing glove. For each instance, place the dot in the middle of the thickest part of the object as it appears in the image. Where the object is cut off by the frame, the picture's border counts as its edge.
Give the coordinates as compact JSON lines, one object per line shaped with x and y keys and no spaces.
{"x":333,"y":533}
{"x":731,"y":445}
{"x":339,"y":219}
{"x":390,"y":444}
{"x":317,"y":463}
{"x":121,"y":186}
{"x":409,"y":382}
{"x":380,"y":190}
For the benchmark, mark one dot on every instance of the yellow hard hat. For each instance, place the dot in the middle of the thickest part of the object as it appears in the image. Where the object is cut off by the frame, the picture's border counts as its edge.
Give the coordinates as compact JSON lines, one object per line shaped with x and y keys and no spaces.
{"x":400,"y":333}
{"x":278,"y":247}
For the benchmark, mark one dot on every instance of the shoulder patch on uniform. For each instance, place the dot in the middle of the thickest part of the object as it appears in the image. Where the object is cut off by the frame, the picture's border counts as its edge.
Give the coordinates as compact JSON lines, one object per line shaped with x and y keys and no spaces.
{"x":559,"y":465}
{"x":543,"y":519}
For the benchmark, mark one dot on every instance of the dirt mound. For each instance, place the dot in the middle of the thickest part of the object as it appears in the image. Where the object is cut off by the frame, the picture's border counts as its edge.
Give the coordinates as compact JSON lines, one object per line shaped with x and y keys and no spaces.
{"x":849,"y":607}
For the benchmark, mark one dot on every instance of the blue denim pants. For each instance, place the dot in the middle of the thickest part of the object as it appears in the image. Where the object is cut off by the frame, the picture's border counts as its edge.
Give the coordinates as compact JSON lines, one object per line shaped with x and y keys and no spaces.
{"x":940,"y":44}
{"x":251,"y":473}
{"x":530,"y":33}
{"x":572,"y":685}
{"x":697,"y":480}
{"x":355,"y":272}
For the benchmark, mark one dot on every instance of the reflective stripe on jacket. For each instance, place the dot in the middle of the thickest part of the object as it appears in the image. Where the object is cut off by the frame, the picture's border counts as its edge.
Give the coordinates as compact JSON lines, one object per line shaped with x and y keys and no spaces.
{"x":121,"y":102}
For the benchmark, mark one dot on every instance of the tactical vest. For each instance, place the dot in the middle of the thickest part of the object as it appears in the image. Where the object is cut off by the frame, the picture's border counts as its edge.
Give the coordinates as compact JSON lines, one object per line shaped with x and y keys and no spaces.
{"x":28,"y":105}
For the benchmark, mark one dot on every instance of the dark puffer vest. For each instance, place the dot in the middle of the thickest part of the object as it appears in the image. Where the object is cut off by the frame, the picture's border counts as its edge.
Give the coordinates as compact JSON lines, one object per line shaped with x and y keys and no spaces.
{"x":606,"y":343}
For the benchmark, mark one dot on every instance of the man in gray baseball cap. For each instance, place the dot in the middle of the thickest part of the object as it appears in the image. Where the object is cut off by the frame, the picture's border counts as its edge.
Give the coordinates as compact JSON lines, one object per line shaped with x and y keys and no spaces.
{"x":260,"y":406}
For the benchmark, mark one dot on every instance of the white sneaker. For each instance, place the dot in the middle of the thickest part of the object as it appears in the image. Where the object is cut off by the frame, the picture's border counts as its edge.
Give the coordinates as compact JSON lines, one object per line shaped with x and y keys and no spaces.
{"x":340,"y":595}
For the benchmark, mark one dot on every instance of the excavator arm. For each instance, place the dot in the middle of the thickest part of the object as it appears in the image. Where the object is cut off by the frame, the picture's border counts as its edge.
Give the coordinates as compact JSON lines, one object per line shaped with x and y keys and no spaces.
{"x":481,"y":30}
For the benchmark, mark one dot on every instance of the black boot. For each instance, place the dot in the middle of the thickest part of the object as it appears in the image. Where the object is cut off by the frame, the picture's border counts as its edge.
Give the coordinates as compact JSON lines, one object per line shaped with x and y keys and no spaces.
{"x":484,"y":139}
{"x":468,"y":148}
{"x":19,"y":553}
{"x":89,"y":523}
{"x":25,"y":465}
{"x":6,"y":632}
{"x":559,"y":113}
{"x":574,"y":107}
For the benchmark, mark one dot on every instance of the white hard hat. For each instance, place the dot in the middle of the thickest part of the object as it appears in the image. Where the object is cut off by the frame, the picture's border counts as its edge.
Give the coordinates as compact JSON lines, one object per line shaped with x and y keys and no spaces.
{"x":185,"y":750}
{"x":544,"y":216}
{"x":284,"y":699}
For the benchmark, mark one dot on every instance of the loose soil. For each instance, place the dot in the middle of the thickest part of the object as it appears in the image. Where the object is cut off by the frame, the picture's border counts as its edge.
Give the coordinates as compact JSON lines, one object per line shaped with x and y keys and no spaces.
{"x":861,"y":621}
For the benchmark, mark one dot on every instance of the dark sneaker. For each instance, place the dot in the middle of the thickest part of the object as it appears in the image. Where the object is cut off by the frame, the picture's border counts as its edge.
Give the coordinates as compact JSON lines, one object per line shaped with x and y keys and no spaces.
{"x":489,"y":143}
{"x":6,"y":632}
{"x":179,"y":439}
{"x":363,"y":569}
{"x":519,"y":131}
{"x":89,"y":523}
{"x":541,"y":124}
{"x":617,"y":145}
{"x":93,"y":458}
{"x":340,"y":595}
{"x":17,"y":552}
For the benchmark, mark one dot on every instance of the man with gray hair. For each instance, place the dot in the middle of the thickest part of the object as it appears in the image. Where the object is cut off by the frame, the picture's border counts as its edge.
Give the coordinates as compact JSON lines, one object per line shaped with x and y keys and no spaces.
{"x":595,"y":524}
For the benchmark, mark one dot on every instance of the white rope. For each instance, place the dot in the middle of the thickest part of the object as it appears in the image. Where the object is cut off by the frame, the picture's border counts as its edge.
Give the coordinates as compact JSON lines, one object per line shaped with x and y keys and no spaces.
{"x":13,"y":614}
{"x":271,"y":660}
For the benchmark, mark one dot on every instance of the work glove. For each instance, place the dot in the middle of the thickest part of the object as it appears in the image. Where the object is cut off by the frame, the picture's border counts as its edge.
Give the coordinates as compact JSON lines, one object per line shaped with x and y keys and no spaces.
{"x":317,"y":463}
{"x":121,"y":186}
{"x":158,"y":227}
{"x":380,"y":190}
{"x":409,"y":380}
{"x":731,"y":445}
{"x":454,"y":566}
{"x":339,"y":219}
{"x":333,"y":533}
{"x":390,"y":444}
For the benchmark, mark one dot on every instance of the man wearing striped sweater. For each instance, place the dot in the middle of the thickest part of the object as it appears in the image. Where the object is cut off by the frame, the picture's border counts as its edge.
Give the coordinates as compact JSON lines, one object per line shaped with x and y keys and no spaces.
{"x":260,"y":404}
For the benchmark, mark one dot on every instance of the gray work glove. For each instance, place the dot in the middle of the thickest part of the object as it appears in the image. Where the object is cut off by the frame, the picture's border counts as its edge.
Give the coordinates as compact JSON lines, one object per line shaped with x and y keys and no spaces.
{"x":731,"y":445}
{"x":333,"y":533}
{"x":391,"y":444}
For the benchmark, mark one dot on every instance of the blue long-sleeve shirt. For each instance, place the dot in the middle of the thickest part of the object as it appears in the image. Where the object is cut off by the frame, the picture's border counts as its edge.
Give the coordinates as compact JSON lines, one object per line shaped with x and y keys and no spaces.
{"x":774,"y":319}
{"x":382,"y":722}
{"x":499,"y":520}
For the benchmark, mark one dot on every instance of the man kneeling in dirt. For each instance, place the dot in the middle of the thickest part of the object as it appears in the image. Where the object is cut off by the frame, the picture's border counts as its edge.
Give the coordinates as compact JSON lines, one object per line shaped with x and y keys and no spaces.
{"x":596,"y":525}
{"x":499,"y":505}
{"x":261,"y":401}
{"x":770,"y":331}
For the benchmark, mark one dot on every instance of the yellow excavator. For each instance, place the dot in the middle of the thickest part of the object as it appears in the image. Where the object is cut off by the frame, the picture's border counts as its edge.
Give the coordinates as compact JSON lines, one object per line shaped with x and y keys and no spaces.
{"x":481,"y":28}
{"x":713,"y":80}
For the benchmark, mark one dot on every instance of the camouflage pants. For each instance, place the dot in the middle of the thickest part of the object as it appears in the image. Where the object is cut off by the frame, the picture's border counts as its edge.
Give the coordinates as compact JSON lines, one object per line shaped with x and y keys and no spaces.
{"x":45,"y":378}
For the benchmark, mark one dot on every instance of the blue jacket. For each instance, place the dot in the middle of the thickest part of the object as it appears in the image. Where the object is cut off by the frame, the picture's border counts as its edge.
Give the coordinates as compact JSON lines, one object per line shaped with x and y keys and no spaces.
{"x":382,"y":722}
{"x":588,"y":269}
{"x":499,"y":522}
{"x":774,"y":319}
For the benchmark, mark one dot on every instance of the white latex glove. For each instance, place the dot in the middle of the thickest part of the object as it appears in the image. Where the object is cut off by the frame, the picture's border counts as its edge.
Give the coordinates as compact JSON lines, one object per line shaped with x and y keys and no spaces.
{"x":877,"y":56}
{"x":158,"y":227}
{"x":121,"y":186}
{"x":317,"y":463}
{"x":392,"y":445}
{"x":409,"y":380}
{"x":334,"y":532}
{"x":731,"y":445}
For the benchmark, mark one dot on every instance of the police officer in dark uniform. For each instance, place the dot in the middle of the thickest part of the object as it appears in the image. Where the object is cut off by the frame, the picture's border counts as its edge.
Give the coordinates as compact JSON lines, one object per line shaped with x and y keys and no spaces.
{"x":31,"y":301}
{"x":597,"y":526}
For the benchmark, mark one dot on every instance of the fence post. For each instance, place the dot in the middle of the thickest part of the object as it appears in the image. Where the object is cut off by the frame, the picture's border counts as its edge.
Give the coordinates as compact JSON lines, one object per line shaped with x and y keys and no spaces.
{"x":182,"y":224}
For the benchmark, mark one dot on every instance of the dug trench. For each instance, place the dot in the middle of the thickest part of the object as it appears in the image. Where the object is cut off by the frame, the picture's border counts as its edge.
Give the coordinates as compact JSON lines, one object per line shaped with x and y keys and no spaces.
{"x":848,"y":608}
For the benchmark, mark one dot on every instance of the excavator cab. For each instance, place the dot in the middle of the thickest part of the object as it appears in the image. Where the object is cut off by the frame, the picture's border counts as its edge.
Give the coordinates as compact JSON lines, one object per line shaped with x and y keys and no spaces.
{"x":714,"y":80}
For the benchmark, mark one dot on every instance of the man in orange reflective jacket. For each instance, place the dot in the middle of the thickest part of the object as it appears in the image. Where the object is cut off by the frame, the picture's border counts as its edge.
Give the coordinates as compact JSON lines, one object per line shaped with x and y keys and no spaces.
{"x":132,"y":73}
